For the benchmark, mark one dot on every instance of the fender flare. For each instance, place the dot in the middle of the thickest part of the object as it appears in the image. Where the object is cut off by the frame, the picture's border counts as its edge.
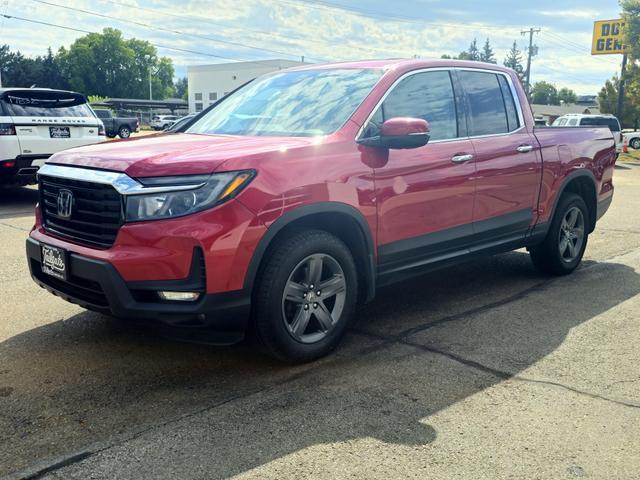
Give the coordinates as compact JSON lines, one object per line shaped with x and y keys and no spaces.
{"x":305,"y":211}
{"x":568,"y":179}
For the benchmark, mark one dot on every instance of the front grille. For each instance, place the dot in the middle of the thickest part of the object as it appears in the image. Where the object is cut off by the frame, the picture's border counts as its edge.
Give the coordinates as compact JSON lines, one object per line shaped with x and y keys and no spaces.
{"x":96,"y":214}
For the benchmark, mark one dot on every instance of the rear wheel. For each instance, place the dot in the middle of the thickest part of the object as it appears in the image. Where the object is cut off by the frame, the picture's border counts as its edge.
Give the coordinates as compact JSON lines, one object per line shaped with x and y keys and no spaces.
{"x":635,"y":143}
{"x":124,"y":132}
{"x":563,"y":247}
{"x":306,"y":296}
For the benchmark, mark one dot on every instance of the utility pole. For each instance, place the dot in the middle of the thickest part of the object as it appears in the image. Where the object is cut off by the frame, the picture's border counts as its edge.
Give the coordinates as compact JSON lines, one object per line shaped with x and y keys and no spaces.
{"x":533,"y":50}
{"x":150,"y":90}
{"x":621,"y":88}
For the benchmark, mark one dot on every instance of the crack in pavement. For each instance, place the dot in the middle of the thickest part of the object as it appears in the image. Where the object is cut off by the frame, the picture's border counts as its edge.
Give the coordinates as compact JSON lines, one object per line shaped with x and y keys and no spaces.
{"x":22,"y":213}
{"x":35,"y":472}
{"x":14,"y":227}
{"x":504,"y":375}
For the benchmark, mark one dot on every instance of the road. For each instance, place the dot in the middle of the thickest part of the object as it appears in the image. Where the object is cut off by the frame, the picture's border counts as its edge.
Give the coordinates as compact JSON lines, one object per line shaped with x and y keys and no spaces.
{"x":484,"y":371}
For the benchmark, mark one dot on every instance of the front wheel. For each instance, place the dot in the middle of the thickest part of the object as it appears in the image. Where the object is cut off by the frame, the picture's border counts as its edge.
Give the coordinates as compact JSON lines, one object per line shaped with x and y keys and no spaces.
{"x":563,"y":247}
{"x":635,"y":143}
{"x":124,"y":132}
{"x":306,"y":296}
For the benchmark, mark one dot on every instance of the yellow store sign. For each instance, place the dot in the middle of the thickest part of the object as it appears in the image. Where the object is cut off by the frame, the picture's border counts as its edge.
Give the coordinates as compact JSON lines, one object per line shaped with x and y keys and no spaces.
{"x":607,"y":37}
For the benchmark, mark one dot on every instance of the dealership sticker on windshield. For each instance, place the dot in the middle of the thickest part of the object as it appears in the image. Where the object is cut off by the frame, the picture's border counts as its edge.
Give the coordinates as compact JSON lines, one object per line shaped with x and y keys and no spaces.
{"x":54,"y":262}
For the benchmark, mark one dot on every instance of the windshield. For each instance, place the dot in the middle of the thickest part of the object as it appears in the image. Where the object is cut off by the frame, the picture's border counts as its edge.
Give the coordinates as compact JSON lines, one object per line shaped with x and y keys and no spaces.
{"x":298,"y":103}
{"x":34,"y":103}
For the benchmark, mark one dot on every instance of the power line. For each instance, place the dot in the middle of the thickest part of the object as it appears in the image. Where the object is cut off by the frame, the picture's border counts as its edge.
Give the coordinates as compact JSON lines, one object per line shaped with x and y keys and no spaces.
{"x":168,"y":30}
{"x":572,"y":46}
{"x":317,"y":4}
{"x":184,"y":50}
{"x":209,"y":22}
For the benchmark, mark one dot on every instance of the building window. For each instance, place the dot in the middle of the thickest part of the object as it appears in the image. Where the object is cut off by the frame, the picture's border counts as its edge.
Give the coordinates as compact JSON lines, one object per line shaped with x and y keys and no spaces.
{"x":213,"y":96}
{"x":198,"y":97}
{"x":198,"y":106}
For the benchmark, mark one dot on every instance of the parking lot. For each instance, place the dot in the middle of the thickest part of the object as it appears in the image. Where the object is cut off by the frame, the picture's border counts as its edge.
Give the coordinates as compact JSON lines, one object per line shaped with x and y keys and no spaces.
{"x":487,"y":370}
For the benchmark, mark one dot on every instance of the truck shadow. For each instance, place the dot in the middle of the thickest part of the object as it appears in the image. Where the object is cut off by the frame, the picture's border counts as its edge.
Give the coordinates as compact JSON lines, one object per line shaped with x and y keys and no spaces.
{"x":88,"y":379}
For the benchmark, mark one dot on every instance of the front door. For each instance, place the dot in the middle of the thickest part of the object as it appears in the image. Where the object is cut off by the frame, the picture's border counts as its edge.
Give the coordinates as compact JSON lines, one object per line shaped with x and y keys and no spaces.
{"x":425,"y":195}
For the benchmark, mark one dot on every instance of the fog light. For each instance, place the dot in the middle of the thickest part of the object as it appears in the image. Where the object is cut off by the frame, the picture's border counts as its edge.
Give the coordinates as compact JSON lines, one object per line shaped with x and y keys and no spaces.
{"x":179,"y":296}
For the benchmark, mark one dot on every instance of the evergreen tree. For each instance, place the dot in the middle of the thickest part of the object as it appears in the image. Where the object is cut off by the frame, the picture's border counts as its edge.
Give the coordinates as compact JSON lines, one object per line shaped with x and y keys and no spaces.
{"x":514,"y":60}
{"x":487,"y":55}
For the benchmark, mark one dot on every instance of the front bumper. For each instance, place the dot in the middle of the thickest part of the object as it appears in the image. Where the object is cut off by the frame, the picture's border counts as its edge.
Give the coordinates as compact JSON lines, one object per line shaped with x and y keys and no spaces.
{"x":97,"y":285}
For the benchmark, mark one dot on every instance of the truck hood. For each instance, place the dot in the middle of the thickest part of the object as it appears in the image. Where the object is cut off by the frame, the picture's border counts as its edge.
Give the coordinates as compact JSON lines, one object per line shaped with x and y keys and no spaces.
{"x":173,"y":154}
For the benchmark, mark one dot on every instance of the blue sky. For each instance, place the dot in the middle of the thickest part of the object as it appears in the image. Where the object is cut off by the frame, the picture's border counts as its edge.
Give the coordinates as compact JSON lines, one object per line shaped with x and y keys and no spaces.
{"x":330,"y":30}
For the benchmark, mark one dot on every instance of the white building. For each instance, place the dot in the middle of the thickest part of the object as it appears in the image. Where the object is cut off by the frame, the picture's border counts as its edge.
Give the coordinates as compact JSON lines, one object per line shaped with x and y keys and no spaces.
{"x":208,"y":83}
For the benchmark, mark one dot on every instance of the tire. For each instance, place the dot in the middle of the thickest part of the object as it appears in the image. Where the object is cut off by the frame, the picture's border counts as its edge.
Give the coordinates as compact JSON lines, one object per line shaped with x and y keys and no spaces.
{"x":124,"y":132}
{"x":562,"y":249}
{"x":635,"y":143}
{"x":302,"y":326}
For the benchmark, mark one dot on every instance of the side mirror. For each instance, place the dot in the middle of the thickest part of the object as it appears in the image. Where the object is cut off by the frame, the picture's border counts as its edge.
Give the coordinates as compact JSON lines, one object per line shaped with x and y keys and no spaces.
{"x":400,"y":133}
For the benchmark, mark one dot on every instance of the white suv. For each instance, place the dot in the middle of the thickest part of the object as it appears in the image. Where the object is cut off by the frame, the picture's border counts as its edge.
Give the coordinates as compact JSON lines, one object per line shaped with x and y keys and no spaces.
{"x":581,"y":120}
{"x":38,"y":122}
{"x":162,"y":122}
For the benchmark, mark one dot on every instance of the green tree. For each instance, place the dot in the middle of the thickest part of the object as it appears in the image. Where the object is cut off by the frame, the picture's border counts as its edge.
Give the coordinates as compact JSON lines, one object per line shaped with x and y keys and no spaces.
{"x":544,"y":93}
{"x":181,"y":88}
{"x":487,"y":53}
{"x":567,"y":95}
{"x":608,"y":102}
{"x":631,"y":16}
{"x":514,"y":60}
{"x":106,"y":64}
{"x":472,"y":53}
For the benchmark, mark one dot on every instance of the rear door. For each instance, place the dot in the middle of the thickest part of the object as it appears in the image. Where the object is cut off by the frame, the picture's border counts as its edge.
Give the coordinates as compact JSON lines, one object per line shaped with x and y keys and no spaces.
{"x":508,"y":160}
{"x":48,"y":122}
{"x":424,"y":195}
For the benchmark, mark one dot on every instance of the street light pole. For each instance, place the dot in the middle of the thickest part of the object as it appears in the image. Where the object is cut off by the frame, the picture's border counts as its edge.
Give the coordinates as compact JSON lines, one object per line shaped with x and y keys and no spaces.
{"x":150,"y":90}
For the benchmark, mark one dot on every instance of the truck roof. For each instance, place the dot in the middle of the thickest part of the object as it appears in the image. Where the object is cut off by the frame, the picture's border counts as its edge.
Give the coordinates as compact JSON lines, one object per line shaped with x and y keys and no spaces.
{"x":409,"y":64}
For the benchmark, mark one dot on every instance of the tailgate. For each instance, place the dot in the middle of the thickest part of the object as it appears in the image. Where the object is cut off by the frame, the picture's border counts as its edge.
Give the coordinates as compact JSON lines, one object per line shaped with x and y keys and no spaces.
{"x":51,"y":135}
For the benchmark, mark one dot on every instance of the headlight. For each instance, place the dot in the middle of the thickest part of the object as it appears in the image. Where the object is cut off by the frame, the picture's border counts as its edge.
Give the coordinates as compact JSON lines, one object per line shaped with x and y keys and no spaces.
{"x":179,"y":200}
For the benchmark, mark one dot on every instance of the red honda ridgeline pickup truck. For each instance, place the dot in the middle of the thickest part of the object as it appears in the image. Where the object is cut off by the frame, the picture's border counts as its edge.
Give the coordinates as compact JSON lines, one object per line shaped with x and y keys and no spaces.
{"x":292,"y":200}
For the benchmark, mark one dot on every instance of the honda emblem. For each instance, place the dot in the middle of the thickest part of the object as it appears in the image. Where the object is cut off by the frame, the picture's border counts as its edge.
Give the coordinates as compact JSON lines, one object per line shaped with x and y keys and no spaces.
{"x":65,"y":203}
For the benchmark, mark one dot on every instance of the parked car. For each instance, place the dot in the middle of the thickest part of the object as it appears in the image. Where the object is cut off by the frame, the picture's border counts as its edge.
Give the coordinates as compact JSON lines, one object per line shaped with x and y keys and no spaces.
{"x":295,"y":199}
{"x":582,"y":120}
{"x":180,"y":123}
{"x":120,"y":126}
{"x":633,"y":139}
{"x":37,"y":122}
{"x":162,"y":122}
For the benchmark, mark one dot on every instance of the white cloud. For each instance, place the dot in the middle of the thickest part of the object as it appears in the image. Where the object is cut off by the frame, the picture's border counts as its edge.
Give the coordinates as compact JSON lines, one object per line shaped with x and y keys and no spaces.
{"x":320,"y":34}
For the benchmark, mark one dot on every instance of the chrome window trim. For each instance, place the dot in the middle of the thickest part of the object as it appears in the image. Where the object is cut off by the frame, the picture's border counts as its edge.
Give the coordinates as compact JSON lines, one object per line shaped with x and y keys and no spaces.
{"x":450,"y":69}
{"x":121,"y":182}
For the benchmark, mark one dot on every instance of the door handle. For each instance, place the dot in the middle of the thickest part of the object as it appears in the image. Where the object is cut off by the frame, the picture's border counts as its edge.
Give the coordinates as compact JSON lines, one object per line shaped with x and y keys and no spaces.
{"x":524,"y":148}
{"x":463,"y":157}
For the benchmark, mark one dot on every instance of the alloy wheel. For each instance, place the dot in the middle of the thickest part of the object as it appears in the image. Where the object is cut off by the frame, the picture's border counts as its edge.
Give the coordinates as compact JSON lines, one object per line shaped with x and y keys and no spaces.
{"x":571,"y":235}
{"x":314,"y":298}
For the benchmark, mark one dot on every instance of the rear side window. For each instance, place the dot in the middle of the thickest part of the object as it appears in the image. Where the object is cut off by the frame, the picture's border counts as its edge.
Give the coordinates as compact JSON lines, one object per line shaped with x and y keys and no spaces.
{"x":612,"y":123}
{"x":27,"y":103}
{"x":487,"y":110}
{"x":427,"y":95}
{"x":573,"y":122}
{"x":513,"y":122}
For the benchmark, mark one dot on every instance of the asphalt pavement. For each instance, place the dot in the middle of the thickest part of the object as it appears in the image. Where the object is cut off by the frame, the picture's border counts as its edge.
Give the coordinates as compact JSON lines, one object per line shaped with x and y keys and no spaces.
{"x":484,"y":371}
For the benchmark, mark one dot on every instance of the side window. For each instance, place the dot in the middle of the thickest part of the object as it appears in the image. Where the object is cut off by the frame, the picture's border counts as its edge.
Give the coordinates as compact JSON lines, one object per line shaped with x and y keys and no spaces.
{"x":486,"y":105}
{"x":427,"y":95}
{"x":562,"y":122}
{"x":513,"y":122}
{"x":573,"y":122}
